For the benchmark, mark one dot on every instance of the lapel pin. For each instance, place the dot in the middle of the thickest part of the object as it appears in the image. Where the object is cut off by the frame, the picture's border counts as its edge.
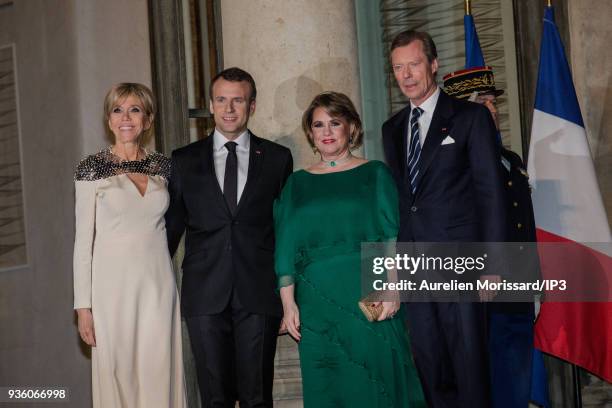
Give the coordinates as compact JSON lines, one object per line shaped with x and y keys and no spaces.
{"x":444,"y":129}
{"x":257,"y":151}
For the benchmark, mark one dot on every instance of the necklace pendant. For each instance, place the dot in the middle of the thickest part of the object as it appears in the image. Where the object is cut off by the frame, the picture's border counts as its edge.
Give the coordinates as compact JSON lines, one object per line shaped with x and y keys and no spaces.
{"x":332,"y":163}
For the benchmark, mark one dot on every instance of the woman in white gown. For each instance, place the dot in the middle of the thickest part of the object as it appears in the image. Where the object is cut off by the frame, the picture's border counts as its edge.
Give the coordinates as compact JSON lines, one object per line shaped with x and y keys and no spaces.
{"x":125,"y":293}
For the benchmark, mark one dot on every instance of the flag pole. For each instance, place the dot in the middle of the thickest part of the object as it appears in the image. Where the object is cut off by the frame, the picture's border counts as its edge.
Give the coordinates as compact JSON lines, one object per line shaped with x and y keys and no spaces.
{"x":548,"y":3}
{"x":468,"y":7}
{"x":575,"y":370}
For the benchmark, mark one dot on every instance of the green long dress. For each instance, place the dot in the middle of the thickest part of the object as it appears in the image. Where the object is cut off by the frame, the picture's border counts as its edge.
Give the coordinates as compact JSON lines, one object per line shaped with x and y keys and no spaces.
{"x":320,"y":221}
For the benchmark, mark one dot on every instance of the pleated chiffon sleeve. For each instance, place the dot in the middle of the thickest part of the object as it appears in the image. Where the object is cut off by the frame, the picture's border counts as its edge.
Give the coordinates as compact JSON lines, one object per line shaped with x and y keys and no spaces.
{"x":85,"y":219}
{"x":285,"y":231}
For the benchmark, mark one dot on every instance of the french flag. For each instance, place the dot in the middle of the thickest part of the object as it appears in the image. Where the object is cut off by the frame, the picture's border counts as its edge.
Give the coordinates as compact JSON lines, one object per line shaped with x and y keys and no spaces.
{"x":538,"y":378}
{"x":568,"y":209}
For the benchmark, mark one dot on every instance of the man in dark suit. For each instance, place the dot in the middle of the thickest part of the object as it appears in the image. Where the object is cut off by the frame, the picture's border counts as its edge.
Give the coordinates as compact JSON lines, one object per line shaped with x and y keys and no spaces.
{"x":444,"y":158}
{"x":510,"y":324}
{"x":222,"y":191}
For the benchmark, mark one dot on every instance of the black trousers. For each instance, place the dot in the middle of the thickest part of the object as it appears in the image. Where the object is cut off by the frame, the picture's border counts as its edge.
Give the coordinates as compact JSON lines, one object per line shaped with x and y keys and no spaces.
{"x":450,"y":351}
{"x":234,"y":354}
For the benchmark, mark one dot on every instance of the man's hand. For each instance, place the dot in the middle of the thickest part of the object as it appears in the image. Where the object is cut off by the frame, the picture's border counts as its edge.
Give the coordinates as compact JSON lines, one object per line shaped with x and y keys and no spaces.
{"x":488,"y":295}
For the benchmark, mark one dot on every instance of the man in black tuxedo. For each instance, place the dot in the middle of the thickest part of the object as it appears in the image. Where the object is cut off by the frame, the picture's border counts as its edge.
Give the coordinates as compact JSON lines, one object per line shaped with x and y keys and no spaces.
{"x":222,"y":191}
{"x":444,"y":157}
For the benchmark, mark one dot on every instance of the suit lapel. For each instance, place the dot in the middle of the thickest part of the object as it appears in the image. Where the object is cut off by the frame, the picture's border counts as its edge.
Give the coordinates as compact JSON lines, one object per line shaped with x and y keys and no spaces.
{"x":209,"y":172}
{"x":256,"y":153}
{"x":438,"y":130}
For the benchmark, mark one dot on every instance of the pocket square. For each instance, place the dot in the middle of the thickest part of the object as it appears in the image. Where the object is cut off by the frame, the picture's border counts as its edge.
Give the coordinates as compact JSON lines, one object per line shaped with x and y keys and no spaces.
{"x":448,"y":140}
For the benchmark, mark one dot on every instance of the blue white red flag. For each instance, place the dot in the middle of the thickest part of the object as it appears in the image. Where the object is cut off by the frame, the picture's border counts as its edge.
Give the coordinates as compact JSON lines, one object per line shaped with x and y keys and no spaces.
{"x":568,"y":208}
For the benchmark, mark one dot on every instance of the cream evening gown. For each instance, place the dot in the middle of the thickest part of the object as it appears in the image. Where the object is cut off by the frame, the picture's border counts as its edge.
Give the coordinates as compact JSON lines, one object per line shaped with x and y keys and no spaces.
{"x":123,"y":272}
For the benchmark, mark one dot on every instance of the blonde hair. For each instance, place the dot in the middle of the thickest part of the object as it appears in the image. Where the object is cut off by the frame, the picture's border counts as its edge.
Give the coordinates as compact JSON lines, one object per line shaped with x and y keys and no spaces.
{"x":120,"y":92}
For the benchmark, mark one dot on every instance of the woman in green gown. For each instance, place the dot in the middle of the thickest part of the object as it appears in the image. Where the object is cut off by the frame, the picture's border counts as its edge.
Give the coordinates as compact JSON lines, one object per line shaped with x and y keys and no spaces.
{"x":323,"y":215}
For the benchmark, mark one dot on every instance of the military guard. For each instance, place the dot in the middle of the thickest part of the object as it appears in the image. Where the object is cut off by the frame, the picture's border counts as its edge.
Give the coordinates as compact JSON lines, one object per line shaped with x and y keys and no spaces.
{"x":510,"y":325}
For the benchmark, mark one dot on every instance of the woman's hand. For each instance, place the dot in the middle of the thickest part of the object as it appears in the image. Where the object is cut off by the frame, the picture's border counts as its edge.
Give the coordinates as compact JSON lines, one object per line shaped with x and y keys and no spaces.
{"x":282,"y":329}
{"x":86,"y":326}
{"x":291,"y":312}
{"x":291,"y":320}
{"x":389,"y":310}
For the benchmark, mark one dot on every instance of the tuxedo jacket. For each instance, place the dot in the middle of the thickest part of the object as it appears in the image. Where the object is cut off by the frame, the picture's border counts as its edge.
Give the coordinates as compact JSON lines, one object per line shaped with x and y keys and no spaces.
{"x":460,"y":195}
{"x":226,"y":252}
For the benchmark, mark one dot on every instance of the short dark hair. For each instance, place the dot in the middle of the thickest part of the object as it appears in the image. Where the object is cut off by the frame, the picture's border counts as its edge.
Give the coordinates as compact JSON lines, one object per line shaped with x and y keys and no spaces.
{"x":406,"y":37}
{"x":234,"y":74}
{"x":338,"y":105}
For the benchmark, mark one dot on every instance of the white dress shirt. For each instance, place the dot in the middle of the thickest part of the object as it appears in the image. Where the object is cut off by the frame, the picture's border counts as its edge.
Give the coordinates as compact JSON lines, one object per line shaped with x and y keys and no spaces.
{"x":428,"y":106}
{"x":242,"y":152}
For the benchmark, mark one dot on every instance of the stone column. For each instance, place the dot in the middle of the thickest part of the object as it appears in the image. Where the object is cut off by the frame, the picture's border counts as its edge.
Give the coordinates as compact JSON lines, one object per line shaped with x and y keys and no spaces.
{"x":294,"y":49}
{"x":590,"y":32}
{"x":590,"y":60}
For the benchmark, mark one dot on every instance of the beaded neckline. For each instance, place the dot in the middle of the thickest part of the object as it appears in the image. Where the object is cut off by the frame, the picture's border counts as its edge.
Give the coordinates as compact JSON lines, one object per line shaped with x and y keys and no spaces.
{"x":120,"y":160}
{"x":106,"y":164}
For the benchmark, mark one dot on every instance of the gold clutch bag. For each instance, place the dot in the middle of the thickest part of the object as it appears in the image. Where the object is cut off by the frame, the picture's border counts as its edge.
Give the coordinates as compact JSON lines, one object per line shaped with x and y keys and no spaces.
{"x":371,"y":312}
